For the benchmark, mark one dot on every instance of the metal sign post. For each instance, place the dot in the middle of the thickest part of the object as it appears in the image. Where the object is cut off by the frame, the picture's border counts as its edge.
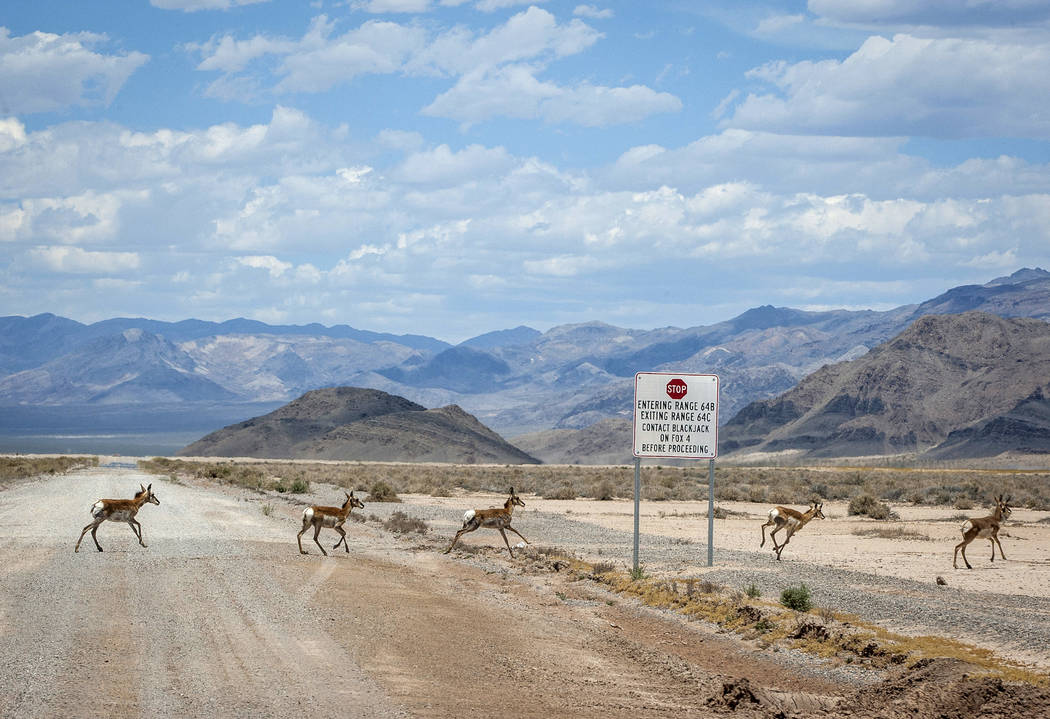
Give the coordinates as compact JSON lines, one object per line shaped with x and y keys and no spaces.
{"x":676,"y":417}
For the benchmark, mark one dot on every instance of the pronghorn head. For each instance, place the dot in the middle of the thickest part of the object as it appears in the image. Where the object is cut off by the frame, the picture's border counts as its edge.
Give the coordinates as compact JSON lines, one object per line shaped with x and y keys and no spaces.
{"x":1002,"y":506}
{"x":353,"y":501}
{"x":514,"y":499}
{"x":149,"y":495}
{"x":816,"y":508}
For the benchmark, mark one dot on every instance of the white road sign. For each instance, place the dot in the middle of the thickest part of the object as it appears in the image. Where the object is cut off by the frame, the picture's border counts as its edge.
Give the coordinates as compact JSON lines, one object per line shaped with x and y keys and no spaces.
{"x":676,"y":415}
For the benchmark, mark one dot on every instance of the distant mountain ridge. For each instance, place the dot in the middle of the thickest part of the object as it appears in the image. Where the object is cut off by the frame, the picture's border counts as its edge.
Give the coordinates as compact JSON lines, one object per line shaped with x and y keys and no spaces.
{"x":517,"y":382}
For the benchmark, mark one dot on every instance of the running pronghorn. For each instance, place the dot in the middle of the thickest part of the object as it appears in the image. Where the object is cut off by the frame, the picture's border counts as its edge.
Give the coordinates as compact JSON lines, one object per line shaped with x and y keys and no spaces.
{"x":495,"y":518}
{"x":333,"y":517}
{"x":790,"y":519}
{"x":986,"y":527}
{"x":119,"y":510}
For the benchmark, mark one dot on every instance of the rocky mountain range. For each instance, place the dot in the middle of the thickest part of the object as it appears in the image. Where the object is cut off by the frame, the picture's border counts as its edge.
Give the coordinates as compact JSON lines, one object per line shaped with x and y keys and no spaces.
{"x":350,"y":423}
{"x":950,"y":386}
{"x":519,"y":382}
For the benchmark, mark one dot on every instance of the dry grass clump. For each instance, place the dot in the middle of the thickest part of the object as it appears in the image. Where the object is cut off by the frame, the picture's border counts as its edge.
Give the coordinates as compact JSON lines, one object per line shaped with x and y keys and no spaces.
{"x":868,"y":506}
{"x":896,"y":532}
{"x":792,"y":486}
{"x":380,"y":491}
{"x":19,"y":467}
{"x":258,"y":476}
{"x":401,"y":523}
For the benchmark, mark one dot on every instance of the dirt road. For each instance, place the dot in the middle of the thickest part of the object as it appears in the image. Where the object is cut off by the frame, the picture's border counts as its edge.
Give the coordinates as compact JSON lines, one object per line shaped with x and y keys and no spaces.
{"x":220,"y":616}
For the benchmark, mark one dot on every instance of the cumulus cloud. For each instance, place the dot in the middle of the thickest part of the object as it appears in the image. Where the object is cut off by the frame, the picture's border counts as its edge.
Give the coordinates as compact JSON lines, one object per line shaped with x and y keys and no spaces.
{"x":515,"y":91}
{"x":593,"y":12}
{"x":497,"y":73}
{"x":74,"y":260}
{"x":907,"y":86}
{"x":45,"y":72}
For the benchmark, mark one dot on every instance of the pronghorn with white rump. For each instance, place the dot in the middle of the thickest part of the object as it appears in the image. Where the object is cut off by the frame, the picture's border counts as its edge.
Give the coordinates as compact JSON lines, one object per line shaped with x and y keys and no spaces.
{"x":790,"y":519}
{"x":332,"y":517}
{"x":119,"y":510}
{"x":983,"y":527}
{"x":495,"y":518}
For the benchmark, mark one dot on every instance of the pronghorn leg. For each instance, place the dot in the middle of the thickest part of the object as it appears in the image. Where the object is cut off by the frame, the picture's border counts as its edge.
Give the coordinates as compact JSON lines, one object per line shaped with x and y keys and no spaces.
{"x":1001,"y":555}
{"x":763,"y":542}
{"x":504,"y":535}
{"x":92,"y":527}
{"x":95,"y":537}
{"x":342,"y":539}
{"x":317,"y":530}
{"x":299,"y":538}
{"x":781,"y":547}
{"x":961,"y":546}
{"x":467,"y":528}
{"x":137,"y":529}
{"x":773,"y":536}
{"x":518,"y":533}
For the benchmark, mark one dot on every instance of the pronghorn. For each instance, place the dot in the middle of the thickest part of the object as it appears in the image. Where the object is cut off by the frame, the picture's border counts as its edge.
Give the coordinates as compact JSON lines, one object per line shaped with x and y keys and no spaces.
{"x":328,"y":517}
{"x":119,"y":510}
{"x":791,"y":519}
{"x":496,"y":518}
{"x":987,"y":527}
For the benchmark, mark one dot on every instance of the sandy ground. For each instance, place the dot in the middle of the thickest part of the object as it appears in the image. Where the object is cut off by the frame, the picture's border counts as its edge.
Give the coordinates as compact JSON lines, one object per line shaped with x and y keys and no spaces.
{"x":838,"y":540}
{"x":221,"y":616}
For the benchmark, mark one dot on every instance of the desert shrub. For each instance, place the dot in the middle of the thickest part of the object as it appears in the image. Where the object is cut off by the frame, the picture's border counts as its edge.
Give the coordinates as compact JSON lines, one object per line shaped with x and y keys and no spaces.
{"x":24,"y":467}
{"x":962,"y":503}
{"x":796,"y":598}
{"x":752,"y":591}
{"x":401,"y":523}
{"x":867,"y":506}
{"x":604,"y":491}
{"x":564,"y":491}
{"x":380,"y":491}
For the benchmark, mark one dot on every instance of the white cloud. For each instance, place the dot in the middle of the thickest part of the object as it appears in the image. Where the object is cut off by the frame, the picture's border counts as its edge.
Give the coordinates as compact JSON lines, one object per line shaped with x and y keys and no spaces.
{"x":74,"y":260}
{"x":498,"y":72}
{"x":515,"y":91}
{"x":493,"y":5}
{"x":593,"y":12}
{"x":271,"y":264}
{"x":775,"y":24}
{"x":443,"y":166}
{"x":908,"y":86}
{"x":45,"y":72}
{"x":12,"y":134}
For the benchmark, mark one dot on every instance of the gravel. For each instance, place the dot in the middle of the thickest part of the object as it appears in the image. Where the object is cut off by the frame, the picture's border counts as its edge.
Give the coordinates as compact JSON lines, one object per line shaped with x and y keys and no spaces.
{"x":1021,"y":623}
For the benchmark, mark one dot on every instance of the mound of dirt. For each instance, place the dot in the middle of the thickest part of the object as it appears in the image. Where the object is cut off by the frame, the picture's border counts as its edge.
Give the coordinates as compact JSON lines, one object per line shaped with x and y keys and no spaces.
{"x":948,"y":689}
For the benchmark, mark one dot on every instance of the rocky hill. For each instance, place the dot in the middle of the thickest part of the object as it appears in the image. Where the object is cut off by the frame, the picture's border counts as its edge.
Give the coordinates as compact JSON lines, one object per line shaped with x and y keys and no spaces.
{"x":351,"y":423}
{"x":976,"y":375}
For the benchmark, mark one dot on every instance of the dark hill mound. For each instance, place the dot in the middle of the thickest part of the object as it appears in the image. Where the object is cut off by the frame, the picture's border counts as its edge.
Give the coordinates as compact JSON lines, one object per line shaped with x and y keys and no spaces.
{"x":351,"y":423}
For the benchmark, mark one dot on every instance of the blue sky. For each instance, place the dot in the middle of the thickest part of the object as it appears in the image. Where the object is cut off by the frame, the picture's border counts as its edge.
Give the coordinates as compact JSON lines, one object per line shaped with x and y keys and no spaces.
{"x":451,"y":167}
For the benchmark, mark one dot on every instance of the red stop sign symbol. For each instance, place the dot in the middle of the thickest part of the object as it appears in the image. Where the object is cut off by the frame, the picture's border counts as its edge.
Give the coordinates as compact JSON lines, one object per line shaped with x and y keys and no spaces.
{"x":677,"y":388}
